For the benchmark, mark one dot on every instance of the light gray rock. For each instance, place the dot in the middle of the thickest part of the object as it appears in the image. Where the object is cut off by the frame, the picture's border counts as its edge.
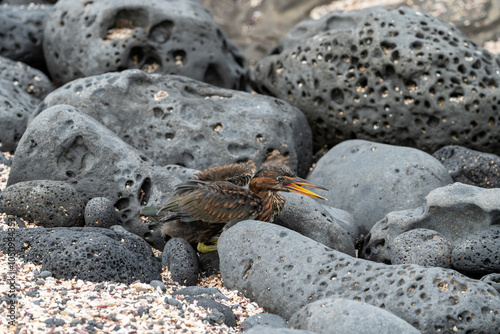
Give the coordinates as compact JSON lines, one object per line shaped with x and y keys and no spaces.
{"x":336,"y":315}
{"x":456,"y":211}
{"x":283,"y":271}
{"x":264,"y":320}
{"x":369,"y":179}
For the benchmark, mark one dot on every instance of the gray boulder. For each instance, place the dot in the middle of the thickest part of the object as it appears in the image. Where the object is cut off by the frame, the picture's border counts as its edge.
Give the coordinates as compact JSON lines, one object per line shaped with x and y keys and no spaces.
{"x":369,"y":179}
{"x":283,"y":271}
{"x":396,"y":76}
{"x":263,"y":320}
{"x":171,"y":36}
{"x":311,"y":219}
{"x":45,"y":203}
{"x":479,"y":253}
{"x":100,"y":212}
{"x":456,"y":211}
{"x":421,"y":246}
{"x":181,"y":260}
{"x":336,"y":315}
{"x":470,"y":167}
{"x":63,"y":144}
{"x":177,"y":120}
{"x":91,"y":253}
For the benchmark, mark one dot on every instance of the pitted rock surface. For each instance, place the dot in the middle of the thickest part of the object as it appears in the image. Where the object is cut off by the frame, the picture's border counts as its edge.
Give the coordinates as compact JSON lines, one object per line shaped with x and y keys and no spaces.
{"x":283,"y":271}
{"x":65,"y":145}
{"x":337,"y":315}
{"x":170,"y":36}
{"x":308,"y":217}
{"x":100,"y":212}
{"x":493,"y":280}
{"x":21,"y":37}
{"x":87,"y":253}
{"x":45,"y":203}
{"x":421,"y":246}
{"x":369,"y":179}
{"x":181,"y":260}
{"x":456,"y":211}
{"x":389,"y":75}
{"x":190,"y":123}
{"x":469,"y":166}
{"x":479,"y":253}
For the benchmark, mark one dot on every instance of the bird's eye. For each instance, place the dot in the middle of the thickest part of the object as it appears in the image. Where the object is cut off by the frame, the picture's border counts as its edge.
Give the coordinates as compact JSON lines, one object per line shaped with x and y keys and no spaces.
{"x":280,"y":179}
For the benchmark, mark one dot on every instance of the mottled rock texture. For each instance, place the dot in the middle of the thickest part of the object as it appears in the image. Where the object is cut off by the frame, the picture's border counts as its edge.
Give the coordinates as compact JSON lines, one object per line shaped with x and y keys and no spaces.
{"x":177,"y":120}
{"x":389,"y":75}
{"x":21,"y":88}
{"x":336,"y":315}
{"x":421,"y":246}
{"x":181,"y":260}
{"x":93,"y":254}
{"x":479,"y":253}
{"x":100,"y":212}
{"x":21,"y":36}
{"x":171,"y":36}
{"x":456,"y":211}
{"x":470,"y":167}
{"x":45,"y":203}
{"x":369,"y":179}
{"x":65,"y":145}
{"x":283,"y":271}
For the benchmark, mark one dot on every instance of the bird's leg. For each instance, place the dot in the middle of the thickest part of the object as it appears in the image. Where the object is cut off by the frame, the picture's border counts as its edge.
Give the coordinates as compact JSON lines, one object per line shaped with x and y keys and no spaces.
{"x":204,"y":248}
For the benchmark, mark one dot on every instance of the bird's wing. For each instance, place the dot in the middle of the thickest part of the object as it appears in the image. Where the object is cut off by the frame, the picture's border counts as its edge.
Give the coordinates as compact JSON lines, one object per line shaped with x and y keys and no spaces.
{"x":238,"y":174}
{"x":220,"y":202}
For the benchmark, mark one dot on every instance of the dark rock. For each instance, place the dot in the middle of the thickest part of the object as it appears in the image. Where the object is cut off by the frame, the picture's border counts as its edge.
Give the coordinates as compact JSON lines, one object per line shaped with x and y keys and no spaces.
{"x":272,"y":330}
{"x":336,"y":315}
{"x":263,"y":319}
{"x":493,"y":280}
{"x":46,"y":203}
{"x":22,"y":33}
{"x":370,"y":179}
{"x":54,"y":322}
{"x":158,"y":284}
{"x":389,"y":75}
{"x":196,"y":291}
{"x":181,"y":260}
{"x":63,"y":144}
{"x":27,"y":78}
{"x":90,"y":253}
{"x":172,"y":36}
{"x":190,"y":123}
{"x":420,"y":246}
{"x":173,"y":302}
{"x":456,"y":211}
{"x":100,"y":212}
{"x":209,"y":263}
{"x":218,"y":313}
{"x":45,"y":274}
{"x":479,"y":253}
{"x":308,"y":217}
{"x":470,"y":167}
{"x":283,"y":278}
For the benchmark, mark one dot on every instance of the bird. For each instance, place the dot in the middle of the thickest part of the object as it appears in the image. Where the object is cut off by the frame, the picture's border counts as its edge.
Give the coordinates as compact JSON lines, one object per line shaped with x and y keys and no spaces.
{"x":216,"y":198}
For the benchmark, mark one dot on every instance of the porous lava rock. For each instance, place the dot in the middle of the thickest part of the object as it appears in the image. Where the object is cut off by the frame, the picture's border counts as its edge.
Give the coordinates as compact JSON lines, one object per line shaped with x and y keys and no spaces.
{"x":479,"y":253}
{"x":45,"y":203}
{"x":493,"y":280}
{"x":21,"y":88}
{"x":421,"y":246}
{"x":456,"y":211}
{"x":308,"y":217}
{"x":21,"y":37}
{"x":100,"y":212}
{"x":87,"y":253}
{"x":337,"y":315}
{"x":283,"y":271}
{"x":177,"y":120}
{"x":181,"y":260}
{"x":470,"y":167}
{"x":369,"y":179}
{"x":389,"y":75}
{"x":65,"y":145}
{"x":171,"y":36}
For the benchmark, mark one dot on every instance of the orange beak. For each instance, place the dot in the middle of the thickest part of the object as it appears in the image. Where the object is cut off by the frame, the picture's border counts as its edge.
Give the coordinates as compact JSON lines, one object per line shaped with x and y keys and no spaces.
{"x":295,"y":185}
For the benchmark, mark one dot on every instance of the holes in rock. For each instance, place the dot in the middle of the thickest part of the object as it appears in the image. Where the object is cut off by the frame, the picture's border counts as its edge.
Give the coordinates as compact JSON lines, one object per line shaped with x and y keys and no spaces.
{"x":122,"y":203}
{"x":161,"y":32}
{"x":145,"y":191}
{"x":212,"y":76}
{"x":70,"y":174}
{"x":387,"y":47}
{"x":417,"y":45}
{"x":157,"y":112}
{"x":125,"y":22}
{"x":179,"y":57}
{"x":337,"y":96}
{"x":169,"y":136}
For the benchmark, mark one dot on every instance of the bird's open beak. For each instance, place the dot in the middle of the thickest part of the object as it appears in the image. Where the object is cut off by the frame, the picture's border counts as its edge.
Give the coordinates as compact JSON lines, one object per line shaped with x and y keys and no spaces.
{"x":295,"y":185}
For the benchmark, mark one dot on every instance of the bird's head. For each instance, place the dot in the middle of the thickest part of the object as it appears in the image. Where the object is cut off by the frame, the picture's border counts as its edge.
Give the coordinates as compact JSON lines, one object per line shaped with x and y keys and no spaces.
{"x":281,"y":178}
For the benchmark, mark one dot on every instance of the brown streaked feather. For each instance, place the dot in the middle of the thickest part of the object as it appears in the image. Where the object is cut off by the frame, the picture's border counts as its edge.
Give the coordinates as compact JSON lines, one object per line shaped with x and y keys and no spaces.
{"x":238,"y":174}
{"x":193,"y":232}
